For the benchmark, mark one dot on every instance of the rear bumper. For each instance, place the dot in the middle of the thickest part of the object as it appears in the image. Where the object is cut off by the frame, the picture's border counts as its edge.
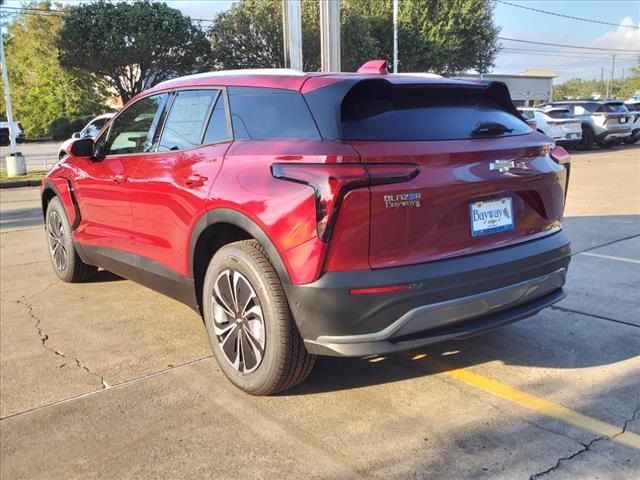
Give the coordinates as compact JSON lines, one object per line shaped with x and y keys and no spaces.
{"x":448,"y":299}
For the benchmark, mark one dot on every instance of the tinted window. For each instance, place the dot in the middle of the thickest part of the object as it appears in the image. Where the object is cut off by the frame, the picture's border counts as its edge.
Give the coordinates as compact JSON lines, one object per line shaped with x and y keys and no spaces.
{"x":633,"y":107}
{"x":381,"y":111}
{"x":185,"y":122}
{"x":130,"y":131}
{"x":94,"y":127}
{"x":266,"y":113}
{"x":217,"y":130}
{"x":612,"y":107}
{"x":558,"y":113}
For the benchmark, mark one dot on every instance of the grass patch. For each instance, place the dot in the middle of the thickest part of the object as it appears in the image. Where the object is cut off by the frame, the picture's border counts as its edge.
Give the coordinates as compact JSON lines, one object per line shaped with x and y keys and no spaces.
{"x":34,"y":175}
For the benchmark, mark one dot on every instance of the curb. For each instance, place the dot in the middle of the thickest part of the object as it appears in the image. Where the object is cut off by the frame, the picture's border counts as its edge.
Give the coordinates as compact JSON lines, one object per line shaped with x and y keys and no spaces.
{"x":21,"y":183}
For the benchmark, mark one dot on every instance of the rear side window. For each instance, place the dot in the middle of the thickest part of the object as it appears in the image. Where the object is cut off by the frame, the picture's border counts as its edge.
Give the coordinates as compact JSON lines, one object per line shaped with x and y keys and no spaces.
{"x":558,"y":114}
{"x":269,"y":113}
{"x":217,"y":130}
{"x":379,"y":111}
{"x":612,"y":108}
{"x":186,"y":121}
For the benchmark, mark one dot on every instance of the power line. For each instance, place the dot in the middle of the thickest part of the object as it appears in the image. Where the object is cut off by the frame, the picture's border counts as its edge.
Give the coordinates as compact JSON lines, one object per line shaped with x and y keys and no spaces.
{"x":567,"y":52}
{"x":569,"y":46}
{"x":566,"y":16}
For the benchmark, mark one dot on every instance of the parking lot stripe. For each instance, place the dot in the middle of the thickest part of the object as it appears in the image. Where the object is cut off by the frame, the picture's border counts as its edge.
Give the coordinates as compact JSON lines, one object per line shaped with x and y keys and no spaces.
{"x":610,"y":257}
{"x":536,"y":404}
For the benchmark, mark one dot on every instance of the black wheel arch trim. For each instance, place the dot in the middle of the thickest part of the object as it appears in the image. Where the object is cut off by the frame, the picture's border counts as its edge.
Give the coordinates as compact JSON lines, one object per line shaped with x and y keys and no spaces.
{"x":233,"y":217}
{"x":49,"y":185}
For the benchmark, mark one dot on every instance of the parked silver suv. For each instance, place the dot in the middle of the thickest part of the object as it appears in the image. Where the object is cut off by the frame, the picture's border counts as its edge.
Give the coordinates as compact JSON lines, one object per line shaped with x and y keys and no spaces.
{"x":634,"y":107}
{"x":605,"y":122}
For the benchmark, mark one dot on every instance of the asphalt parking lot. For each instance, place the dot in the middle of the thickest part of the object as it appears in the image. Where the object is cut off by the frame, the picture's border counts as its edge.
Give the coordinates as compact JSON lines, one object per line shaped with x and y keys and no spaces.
{"x":111,"y":380}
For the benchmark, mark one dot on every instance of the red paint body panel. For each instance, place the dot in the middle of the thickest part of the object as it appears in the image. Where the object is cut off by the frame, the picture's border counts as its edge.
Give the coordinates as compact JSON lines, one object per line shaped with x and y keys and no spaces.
{"x":454,"y":174}
{"x":57,"y":178}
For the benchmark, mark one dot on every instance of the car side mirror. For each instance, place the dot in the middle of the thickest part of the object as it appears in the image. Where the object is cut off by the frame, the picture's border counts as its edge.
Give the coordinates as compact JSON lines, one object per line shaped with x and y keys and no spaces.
{"x":76,"y":135}
{"x":82,"y":147}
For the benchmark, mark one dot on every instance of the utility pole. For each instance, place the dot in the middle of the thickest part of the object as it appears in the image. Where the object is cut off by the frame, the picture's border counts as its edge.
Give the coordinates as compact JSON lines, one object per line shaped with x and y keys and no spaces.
{"x":15,"y":161}
{"x":292,"y":33}
{"x":395,"y":36}
{"x":602,"y":78}
{"x":613,"y":67}
{"x":330,"y":35}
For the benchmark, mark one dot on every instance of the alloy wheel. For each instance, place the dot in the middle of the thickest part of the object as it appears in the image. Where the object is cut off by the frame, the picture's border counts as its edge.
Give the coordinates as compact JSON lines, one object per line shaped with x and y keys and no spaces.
{"x":57,"y":247}
{"x":238,"y":321}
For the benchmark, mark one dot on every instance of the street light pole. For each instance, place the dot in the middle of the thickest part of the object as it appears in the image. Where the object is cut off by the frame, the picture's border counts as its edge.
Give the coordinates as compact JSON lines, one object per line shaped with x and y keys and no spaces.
{"x":330,"y":35}
{"x":14,"y":161}
{"x":613,"y":67}
{"x":292,"y":30}
{"x":395,"y":36}
{"x":7,"y":94}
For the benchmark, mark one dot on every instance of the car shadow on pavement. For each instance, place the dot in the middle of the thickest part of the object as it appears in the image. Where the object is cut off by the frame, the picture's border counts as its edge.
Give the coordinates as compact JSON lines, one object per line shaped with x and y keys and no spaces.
{"x":22,"y":218}
{"x":104,"y":276}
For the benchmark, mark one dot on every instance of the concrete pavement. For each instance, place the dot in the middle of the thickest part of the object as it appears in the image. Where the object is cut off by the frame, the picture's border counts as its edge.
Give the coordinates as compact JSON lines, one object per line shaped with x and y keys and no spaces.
{"x":111,"y":380}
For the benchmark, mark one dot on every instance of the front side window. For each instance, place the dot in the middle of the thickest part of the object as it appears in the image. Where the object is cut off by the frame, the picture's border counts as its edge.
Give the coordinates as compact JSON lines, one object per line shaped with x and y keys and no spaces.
{"x":186,"y":121}
{"x":130,"y":132}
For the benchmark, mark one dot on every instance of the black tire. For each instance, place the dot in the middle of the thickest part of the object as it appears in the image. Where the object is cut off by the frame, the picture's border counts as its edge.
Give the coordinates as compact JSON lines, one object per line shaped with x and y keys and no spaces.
{"x":60,"y":243}
{"x":586,"y":142}
{"x":283,"y":359}
{"x":631,"y":139}
{"x":606,"y":145}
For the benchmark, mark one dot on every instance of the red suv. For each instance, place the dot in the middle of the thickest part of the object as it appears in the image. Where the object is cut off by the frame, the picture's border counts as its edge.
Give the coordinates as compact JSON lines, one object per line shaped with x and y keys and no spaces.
{"x":318,"y":214}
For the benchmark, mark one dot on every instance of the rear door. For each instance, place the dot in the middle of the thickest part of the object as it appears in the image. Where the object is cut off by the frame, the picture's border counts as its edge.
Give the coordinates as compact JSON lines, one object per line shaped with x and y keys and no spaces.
{"x":174,"y":180}
{"x":486,"y":179}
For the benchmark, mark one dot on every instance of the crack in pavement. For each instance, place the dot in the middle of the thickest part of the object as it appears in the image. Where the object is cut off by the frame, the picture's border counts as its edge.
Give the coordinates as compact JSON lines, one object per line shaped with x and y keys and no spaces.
{"x":44,"y":338}
{"x":593,"y":315}
{"x":586,"y":447}
{"x":606,"y":244}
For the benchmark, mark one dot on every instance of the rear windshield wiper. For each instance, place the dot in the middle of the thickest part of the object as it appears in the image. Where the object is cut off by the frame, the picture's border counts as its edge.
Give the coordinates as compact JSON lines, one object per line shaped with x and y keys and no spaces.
{"x":486,"y":129}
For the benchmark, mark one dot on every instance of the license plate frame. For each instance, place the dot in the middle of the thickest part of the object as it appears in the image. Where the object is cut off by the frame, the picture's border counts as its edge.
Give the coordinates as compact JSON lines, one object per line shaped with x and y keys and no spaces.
{"x":491,"y":216}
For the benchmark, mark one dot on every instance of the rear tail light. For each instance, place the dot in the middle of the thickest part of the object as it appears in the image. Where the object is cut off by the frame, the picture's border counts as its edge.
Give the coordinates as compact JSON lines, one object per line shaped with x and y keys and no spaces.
{"x":560,"y":156}
{"x":332,"y":182}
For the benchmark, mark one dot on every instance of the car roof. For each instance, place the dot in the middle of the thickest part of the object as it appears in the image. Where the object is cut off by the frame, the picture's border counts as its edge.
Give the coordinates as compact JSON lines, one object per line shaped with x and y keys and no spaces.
{"x":602,"y":100}
{"x":294,"y":79}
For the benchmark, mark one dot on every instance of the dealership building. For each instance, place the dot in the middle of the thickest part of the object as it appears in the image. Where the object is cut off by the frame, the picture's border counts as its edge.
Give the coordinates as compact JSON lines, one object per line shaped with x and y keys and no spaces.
{"x":528,"y":88}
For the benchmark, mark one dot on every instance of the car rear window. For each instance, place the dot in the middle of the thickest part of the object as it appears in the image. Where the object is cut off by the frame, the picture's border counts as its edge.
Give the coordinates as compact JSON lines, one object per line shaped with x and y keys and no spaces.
{"x":562,"y":113}
{"x":270,"y":113}
{"x":612,"y":108}
{"x":381,"y":111}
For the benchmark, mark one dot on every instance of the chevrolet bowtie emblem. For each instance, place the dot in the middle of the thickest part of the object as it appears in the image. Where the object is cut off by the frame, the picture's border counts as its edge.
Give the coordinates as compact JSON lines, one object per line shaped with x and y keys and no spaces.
{"x":502,"y":165}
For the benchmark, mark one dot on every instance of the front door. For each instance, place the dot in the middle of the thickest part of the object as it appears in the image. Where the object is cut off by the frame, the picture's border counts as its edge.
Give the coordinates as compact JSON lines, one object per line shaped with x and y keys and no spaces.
{"x":102,"y":186}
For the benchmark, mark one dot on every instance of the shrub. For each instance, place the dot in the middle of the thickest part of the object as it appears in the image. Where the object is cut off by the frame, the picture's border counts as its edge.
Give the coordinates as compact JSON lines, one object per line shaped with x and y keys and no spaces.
{"x":60,"y":128}
{"x":63,"y":127}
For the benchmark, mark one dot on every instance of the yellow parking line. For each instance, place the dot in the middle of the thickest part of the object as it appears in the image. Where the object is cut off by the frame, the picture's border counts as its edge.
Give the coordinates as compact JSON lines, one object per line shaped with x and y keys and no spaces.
{"x":534,"y":403}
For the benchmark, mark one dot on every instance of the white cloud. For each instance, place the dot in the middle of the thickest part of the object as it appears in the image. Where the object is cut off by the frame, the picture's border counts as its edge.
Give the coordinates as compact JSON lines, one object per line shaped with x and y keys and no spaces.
{"x":622,"y":37}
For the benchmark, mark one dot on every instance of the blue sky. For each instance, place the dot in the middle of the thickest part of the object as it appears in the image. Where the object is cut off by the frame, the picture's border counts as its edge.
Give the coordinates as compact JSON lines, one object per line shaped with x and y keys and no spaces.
{"x":528,"y":25}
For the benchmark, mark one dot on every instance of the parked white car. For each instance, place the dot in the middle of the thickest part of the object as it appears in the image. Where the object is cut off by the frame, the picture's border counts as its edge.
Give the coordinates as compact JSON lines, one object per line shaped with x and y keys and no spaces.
{"x":634,"y":108}
{"x":90,"y":130}
{"x":555,"y":122}
{"x":5,"y":137}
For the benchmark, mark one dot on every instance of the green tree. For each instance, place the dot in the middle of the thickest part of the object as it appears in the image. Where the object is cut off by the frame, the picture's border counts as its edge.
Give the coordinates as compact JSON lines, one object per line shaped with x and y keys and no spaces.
{"x":41,"y":90}
{"x":132,"y":46}
{"x":445,"y":36}
{"x":249,"y":35}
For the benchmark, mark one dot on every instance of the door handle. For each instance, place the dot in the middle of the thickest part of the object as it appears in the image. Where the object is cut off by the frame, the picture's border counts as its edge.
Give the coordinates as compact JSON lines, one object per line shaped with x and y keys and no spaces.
{"x":195,"y":180}
{"x":119,"y":178}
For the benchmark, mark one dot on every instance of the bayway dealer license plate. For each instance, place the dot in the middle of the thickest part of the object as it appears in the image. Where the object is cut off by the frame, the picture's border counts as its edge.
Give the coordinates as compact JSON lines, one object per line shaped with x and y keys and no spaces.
{"x":491,"y":216}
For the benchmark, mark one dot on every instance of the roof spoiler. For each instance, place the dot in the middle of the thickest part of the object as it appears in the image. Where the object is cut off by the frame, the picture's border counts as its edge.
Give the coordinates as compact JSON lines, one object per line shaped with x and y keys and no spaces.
{"x":376,"y":67}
